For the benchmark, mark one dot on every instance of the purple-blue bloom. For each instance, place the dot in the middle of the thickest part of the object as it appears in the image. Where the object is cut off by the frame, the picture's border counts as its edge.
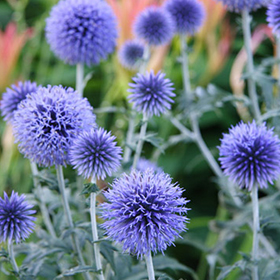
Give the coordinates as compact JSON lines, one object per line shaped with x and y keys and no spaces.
{"x":13,"y":96}
{"x":16,"y":222}
{"x":47,"y":122}
{"x":131,"y":53}
{"x":155,"y":26}
{"x":145,"y":212}
{"x":144,"y":164}
{"x":81,"y":31}
{"x":239,"y":5}
{"x":250,"y":155}
{"x":273,"y":16}
{"x":188,"y":15}
{"x":94,"y":153}
{"x":151,"y":94}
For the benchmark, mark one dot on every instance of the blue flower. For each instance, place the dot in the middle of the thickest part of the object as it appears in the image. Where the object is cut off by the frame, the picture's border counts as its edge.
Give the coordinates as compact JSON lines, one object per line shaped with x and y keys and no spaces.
{"x":250,"y":155}
{"x":273,"y":15}
{"x":94,"y":153}
{"x":151,"y":94}
{"x":131,"y":53}
{"x":16,"y":222}
{"x":144,"y":164}
{"x":188,"y":15}
{"x":239,"y":5}
{"x":155,"y":26}
{"x":145,"y":212}
{"x":47,"y":122}
{"x":13,"y":96}
{"x":81,"y":31}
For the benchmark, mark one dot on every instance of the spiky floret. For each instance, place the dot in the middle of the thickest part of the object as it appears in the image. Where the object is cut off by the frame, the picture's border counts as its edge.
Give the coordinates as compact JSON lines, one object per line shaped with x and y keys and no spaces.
{"x":94,"y":153}
{"x":239,"y":5}
{"x":144,"y":164}
{"x":155,"y":26}
{"x":250,"y":155}
{"x":47,"y":122}
{"x":151,"y":94}
{"x":131,"y":53}
{"x":145,"y":212}
{"x":81,"y":31}
{"x":16,"y":222}
{"x":273,"y":16}
{"x":13,"y":96}
{"x":188,"y":15}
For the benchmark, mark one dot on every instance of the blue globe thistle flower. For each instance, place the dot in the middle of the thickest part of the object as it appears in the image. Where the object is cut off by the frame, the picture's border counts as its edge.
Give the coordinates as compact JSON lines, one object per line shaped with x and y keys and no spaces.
{"x":144,"y":164}
{"x":94,"y":153}
{"x":13,"y":96}
{"x":47,"y":122}
{"x":250,"y":155}
{"x":81,"y":31}
{"x":188,"y":15}
{"x":273,"y":16}
{"x":239,"y":5}
{"x":155,"y":26}
{"x":131,"y":53}
{"x":16,"y":222}
{"x":145,"y":212}
{"x":151,"y":94}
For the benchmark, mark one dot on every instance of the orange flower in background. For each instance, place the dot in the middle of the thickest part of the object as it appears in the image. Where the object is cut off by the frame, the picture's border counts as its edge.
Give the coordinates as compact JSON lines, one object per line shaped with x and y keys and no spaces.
{"x":11,"y":43}
{"x":126,"y":11}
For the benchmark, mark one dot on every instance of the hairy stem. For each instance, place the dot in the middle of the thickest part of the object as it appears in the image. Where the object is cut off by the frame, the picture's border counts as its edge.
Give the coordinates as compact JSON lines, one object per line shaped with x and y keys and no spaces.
{"x":150,"y":266}
{"x":250,"y":63}
{"x":12,"y":256}
{"x":95,"y":232}
{"x":80,"y":79}
{"x":66,"y":207}
{"x":256,"y":229}
{"x":129,"y":138}
{"x":140,"y":141}
{"x":42,"y":205}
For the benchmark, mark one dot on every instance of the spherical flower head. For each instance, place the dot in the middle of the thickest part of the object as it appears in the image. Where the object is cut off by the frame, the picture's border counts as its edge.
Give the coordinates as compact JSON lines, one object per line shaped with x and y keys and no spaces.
{"x":131,"y":53}
{"x":273,"y":16}
{"x":81,"y":31}
{"x":155,"y":26}
{"x":144,"y":164}
{"x":94,"y":153}
{"x":16,"y":222}
{"x":188,"y":15}
{"x":151,"y":94}
{"x":13,"y":96}
{"x":144,"y":212}
{"x":250,"y":155}
{"x":239,"y":5}
{"x":47,"y":122}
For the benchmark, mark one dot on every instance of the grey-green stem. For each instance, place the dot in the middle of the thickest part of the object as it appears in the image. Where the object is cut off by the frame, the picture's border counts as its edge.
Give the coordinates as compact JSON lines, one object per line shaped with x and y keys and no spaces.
{"x":185,"y":68}
{"x":42,"y":205}
{"x":278,"y":62}
{"x":256,"y":230}
{"x":95,"y":232}
{"x":12,"y":256}
{"x":150,"y":266}
{"x":66,"y":207}
{"x":80,"y":79}
{"x":246,"y":19}
{"x":140,"y":141}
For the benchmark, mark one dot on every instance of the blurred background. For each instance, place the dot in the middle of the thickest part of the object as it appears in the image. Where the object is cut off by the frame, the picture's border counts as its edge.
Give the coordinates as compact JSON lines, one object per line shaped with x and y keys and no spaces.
{"x":25,"y":55}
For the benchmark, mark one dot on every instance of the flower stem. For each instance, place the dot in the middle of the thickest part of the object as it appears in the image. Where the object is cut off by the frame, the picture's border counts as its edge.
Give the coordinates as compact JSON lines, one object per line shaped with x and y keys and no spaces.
{"x":12,"y":256}
{"x":80,"y":79}
{"x":185,"y":68}
{"x":140,"y":141}
{"x":129,"y":138}
{"x":75,"y":241}
{"x":150,"y":266}
{"x":256,"y":229}
{"x":278,"y":61}
{"x":95,"y":232}
{"x":250,"y":63}
{"x":42,"y":205}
